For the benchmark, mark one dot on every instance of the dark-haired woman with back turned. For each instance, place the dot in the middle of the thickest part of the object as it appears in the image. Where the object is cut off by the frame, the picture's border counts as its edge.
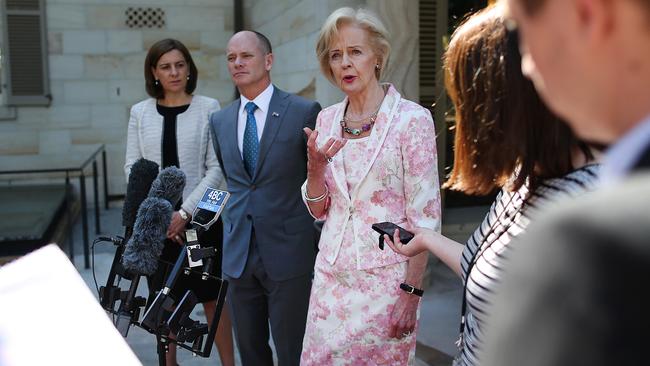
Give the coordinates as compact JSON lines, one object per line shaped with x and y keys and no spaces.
{"x":171,"y":128}
{"x":505,"y":138}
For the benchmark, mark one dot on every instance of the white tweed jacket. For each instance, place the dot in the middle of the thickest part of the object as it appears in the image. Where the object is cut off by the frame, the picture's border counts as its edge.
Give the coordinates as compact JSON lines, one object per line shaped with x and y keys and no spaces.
{"x":196,"y":155}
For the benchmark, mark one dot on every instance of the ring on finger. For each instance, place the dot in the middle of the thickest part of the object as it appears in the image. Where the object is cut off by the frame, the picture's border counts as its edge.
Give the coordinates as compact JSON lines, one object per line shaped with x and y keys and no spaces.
{"x":329,"y":159}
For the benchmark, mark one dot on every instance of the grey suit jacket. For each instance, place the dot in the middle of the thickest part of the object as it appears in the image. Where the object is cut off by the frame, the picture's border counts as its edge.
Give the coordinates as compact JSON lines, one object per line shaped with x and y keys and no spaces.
{"x":575,"y":291}
{"x":269,"y":202}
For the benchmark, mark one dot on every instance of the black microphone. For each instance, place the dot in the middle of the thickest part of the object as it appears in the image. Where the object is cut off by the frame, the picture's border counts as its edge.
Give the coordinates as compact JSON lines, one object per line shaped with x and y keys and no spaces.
{"x":205,"y":214}
{"x":154,"y":216}
{"x":147,"y":239}
{"x":116,"y":240}
{"x":143,"y":173}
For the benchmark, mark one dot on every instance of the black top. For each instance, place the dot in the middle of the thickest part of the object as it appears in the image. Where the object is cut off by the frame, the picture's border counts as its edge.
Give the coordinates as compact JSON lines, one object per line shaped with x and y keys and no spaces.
{"x":486,"y":255}
{"x":644,"y":160}
{"x":204,"y":290}
{"x":169,"y":145}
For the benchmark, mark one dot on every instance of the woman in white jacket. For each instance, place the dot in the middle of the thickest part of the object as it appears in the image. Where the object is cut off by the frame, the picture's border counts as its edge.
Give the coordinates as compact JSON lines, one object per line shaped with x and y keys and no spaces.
{"x":171,"y":128}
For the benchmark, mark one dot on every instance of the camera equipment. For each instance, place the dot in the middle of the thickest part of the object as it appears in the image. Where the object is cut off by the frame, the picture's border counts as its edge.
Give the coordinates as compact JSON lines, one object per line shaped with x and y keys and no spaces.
{"x":166,"y":316}
{"x":143,"y":174}
{"x":137,"y":254}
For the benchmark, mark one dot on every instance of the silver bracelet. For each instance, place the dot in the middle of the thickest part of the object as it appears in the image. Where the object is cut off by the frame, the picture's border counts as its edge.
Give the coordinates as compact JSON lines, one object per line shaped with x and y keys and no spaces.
{"x":319,"y":198}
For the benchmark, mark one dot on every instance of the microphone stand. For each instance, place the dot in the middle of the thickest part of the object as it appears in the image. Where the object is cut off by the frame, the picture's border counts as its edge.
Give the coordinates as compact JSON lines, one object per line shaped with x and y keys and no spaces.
{"x":153,"y":320}
{"x":129,"y":309}
{"x":163,"y":317}
{"x":109,"y":294}
{"x":153,"y":317}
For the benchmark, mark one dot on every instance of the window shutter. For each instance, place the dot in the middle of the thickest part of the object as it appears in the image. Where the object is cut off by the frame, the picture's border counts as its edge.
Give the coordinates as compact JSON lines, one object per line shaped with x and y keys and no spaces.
{"x":25,"y":52}
{"x":433,"y":28}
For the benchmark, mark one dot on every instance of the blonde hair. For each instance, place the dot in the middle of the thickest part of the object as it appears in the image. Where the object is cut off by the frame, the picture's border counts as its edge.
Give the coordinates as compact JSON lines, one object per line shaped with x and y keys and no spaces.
{"x":377,"y":34}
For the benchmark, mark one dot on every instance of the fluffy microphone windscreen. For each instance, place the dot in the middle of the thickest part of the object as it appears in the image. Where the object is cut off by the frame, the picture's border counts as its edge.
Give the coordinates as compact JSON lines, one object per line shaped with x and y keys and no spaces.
{"x":143,"y":173}
{"x":149,"y":232}
{"x":169,"y":185}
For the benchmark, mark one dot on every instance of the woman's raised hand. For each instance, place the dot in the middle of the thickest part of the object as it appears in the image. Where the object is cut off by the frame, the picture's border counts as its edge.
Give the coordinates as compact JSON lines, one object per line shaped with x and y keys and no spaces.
{"x":319,"y":157}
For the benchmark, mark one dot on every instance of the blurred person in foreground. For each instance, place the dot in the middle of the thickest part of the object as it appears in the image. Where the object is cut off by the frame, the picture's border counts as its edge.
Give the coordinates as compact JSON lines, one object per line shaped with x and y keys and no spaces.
{"x":372,"y":158}
{"x":506,"y":138}
{"x":574,"y":292}
{"x":171,"y":128}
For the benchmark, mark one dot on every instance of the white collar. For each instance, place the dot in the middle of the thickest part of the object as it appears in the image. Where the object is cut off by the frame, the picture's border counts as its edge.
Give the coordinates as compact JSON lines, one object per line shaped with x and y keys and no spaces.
{"x":621,"y":157}
{"x":262,"y":100}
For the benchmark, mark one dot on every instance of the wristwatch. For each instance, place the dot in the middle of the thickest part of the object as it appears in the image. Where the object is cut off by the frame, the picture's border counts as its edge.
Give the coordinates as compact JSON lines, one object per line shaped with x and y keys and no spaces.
{"x":411,"y":290}
{"x":183,"y":214}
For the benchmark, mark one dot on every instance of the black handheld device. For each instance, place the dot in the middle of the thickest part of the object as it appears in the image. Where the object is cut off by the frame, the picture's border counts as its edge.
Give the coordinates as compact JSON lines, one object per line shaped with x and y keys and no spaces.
{"x":388,"y":228}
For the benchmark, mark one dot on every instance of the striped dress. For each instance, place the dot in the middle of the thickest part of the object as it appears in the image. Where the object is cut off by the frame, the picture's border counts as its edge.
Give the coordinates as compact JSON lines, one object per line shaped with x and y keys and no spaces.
{"x":508,"y":217}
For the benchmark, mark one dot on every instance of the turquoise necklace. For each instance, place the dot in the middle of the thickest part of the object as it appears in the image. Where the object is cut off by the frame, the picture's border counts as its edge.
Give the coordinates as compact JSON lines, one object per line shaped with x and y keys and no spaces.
{"x":358,"y":131}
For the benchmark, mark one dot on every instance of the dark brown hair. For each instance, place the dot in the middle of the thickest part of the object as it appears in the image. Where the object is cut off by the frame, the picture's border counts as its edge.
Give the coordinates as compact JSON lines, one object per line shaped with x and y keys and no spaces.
{"x":155,"y":53}
{"x":502,"y":126}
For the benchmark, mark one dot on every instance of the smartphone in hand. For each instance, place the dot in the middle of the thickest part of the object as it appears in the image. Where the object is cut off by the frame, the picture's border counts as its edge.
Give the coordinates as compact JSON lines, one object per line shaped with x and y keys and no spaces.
{"x":388,"y":228}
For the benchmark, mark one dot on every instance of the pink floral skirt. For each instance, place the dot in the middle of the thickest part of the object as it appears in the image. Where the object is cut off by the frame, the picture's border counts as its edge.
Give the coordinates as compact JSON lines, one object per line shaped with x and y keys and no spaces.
{"x":349,"y":314}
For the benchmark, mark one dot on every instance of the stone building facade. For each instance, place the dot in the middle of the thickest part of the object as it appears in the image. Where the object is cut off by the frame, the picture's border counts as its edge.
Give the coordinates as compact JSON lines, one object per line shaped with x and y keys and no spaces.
{"x":95,"y":57}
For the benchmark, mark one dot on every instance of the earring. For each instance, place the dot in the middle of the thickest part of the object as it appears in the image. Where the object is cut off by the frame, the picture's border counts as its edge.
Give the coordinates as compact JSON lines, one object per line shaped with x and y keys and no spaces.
{"x":157,"y":82}
{"x":188,"y":76}
{"x":377,"y":66}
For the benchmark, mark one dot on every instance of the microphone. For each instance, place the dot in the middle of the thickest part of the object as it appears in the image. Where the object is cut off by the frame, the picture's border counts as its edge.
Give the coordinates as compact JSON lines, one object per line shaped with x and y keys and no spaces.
{"x":205,"y":214}
{"x":143,"y":173}
{"x":116,"y":240}
{"x":149,"y":233}
{"x":153,"y":218}
{"x":147,"y":239}
{"x":169,"y":185}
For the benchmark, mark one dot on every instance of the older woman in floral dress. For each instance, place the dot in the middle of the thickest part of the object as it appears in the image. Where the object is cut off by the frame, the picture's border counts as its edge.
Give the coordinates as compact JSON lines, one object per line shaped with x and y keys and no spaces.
{"x":372,"y":158}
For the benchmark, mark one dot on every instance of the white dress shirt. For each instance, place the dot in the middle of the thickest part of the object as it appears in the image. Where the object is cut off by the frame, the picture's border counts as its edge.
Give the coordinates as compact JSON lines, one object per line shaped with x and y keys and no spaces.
{"x":262,"y":101}
{"x":626,"y":152}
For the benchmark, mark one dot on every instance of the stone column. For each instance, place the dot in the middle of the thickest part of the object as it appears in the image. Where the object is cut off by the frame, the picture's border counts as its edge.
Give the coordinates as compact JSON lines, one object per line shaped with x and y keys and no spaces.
{"x":401,"y":19}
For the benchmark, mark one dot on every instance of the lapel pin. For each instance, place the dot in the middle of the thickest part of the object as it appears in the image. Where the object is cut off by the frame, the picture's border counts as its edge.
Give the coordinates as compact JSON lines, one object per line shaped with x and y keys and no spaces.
{"x":275,"y":114}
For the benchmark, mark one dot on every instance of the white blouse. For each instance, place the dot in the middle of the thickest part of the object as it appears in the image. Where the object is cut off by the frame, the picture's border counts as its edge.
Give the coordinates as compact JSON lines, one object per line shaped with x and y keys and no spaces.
{"x":196,"y":154}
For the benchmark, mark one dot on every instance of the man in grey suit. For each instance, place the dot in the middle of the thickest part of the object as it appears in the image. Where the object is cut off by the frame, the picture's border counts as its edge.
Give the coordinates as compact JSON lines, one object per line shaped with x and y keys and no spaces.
{"x":575,"y":288}
{"x":268,"y":248}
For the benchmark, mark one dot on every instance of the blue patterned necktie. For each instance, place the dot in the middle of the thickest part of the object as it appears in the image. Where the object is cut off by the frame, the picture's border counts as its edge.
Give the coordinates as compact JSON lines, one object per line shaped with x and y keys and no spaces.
{"x":251,"y":144}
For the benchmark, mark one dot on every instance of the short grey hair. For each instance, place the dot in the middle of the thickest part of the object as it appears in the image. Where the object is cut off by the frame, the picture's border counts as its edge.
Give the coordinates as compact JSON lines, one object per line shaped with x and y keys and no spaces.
{"x":378,"y":36}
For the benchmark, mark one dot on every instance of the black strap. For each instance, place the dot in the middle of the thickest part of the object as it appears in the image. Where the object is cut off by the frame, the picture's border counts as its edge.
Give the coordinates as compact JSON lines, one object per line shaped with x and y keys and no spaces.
{"x":411,"y":289}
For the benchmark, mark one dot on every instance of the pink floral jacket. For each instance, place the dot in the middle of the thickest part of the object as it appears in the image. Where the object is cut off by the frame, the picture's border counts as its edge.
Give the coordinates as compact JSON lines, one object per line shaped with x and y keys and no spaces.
{"x":400,"y":181}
